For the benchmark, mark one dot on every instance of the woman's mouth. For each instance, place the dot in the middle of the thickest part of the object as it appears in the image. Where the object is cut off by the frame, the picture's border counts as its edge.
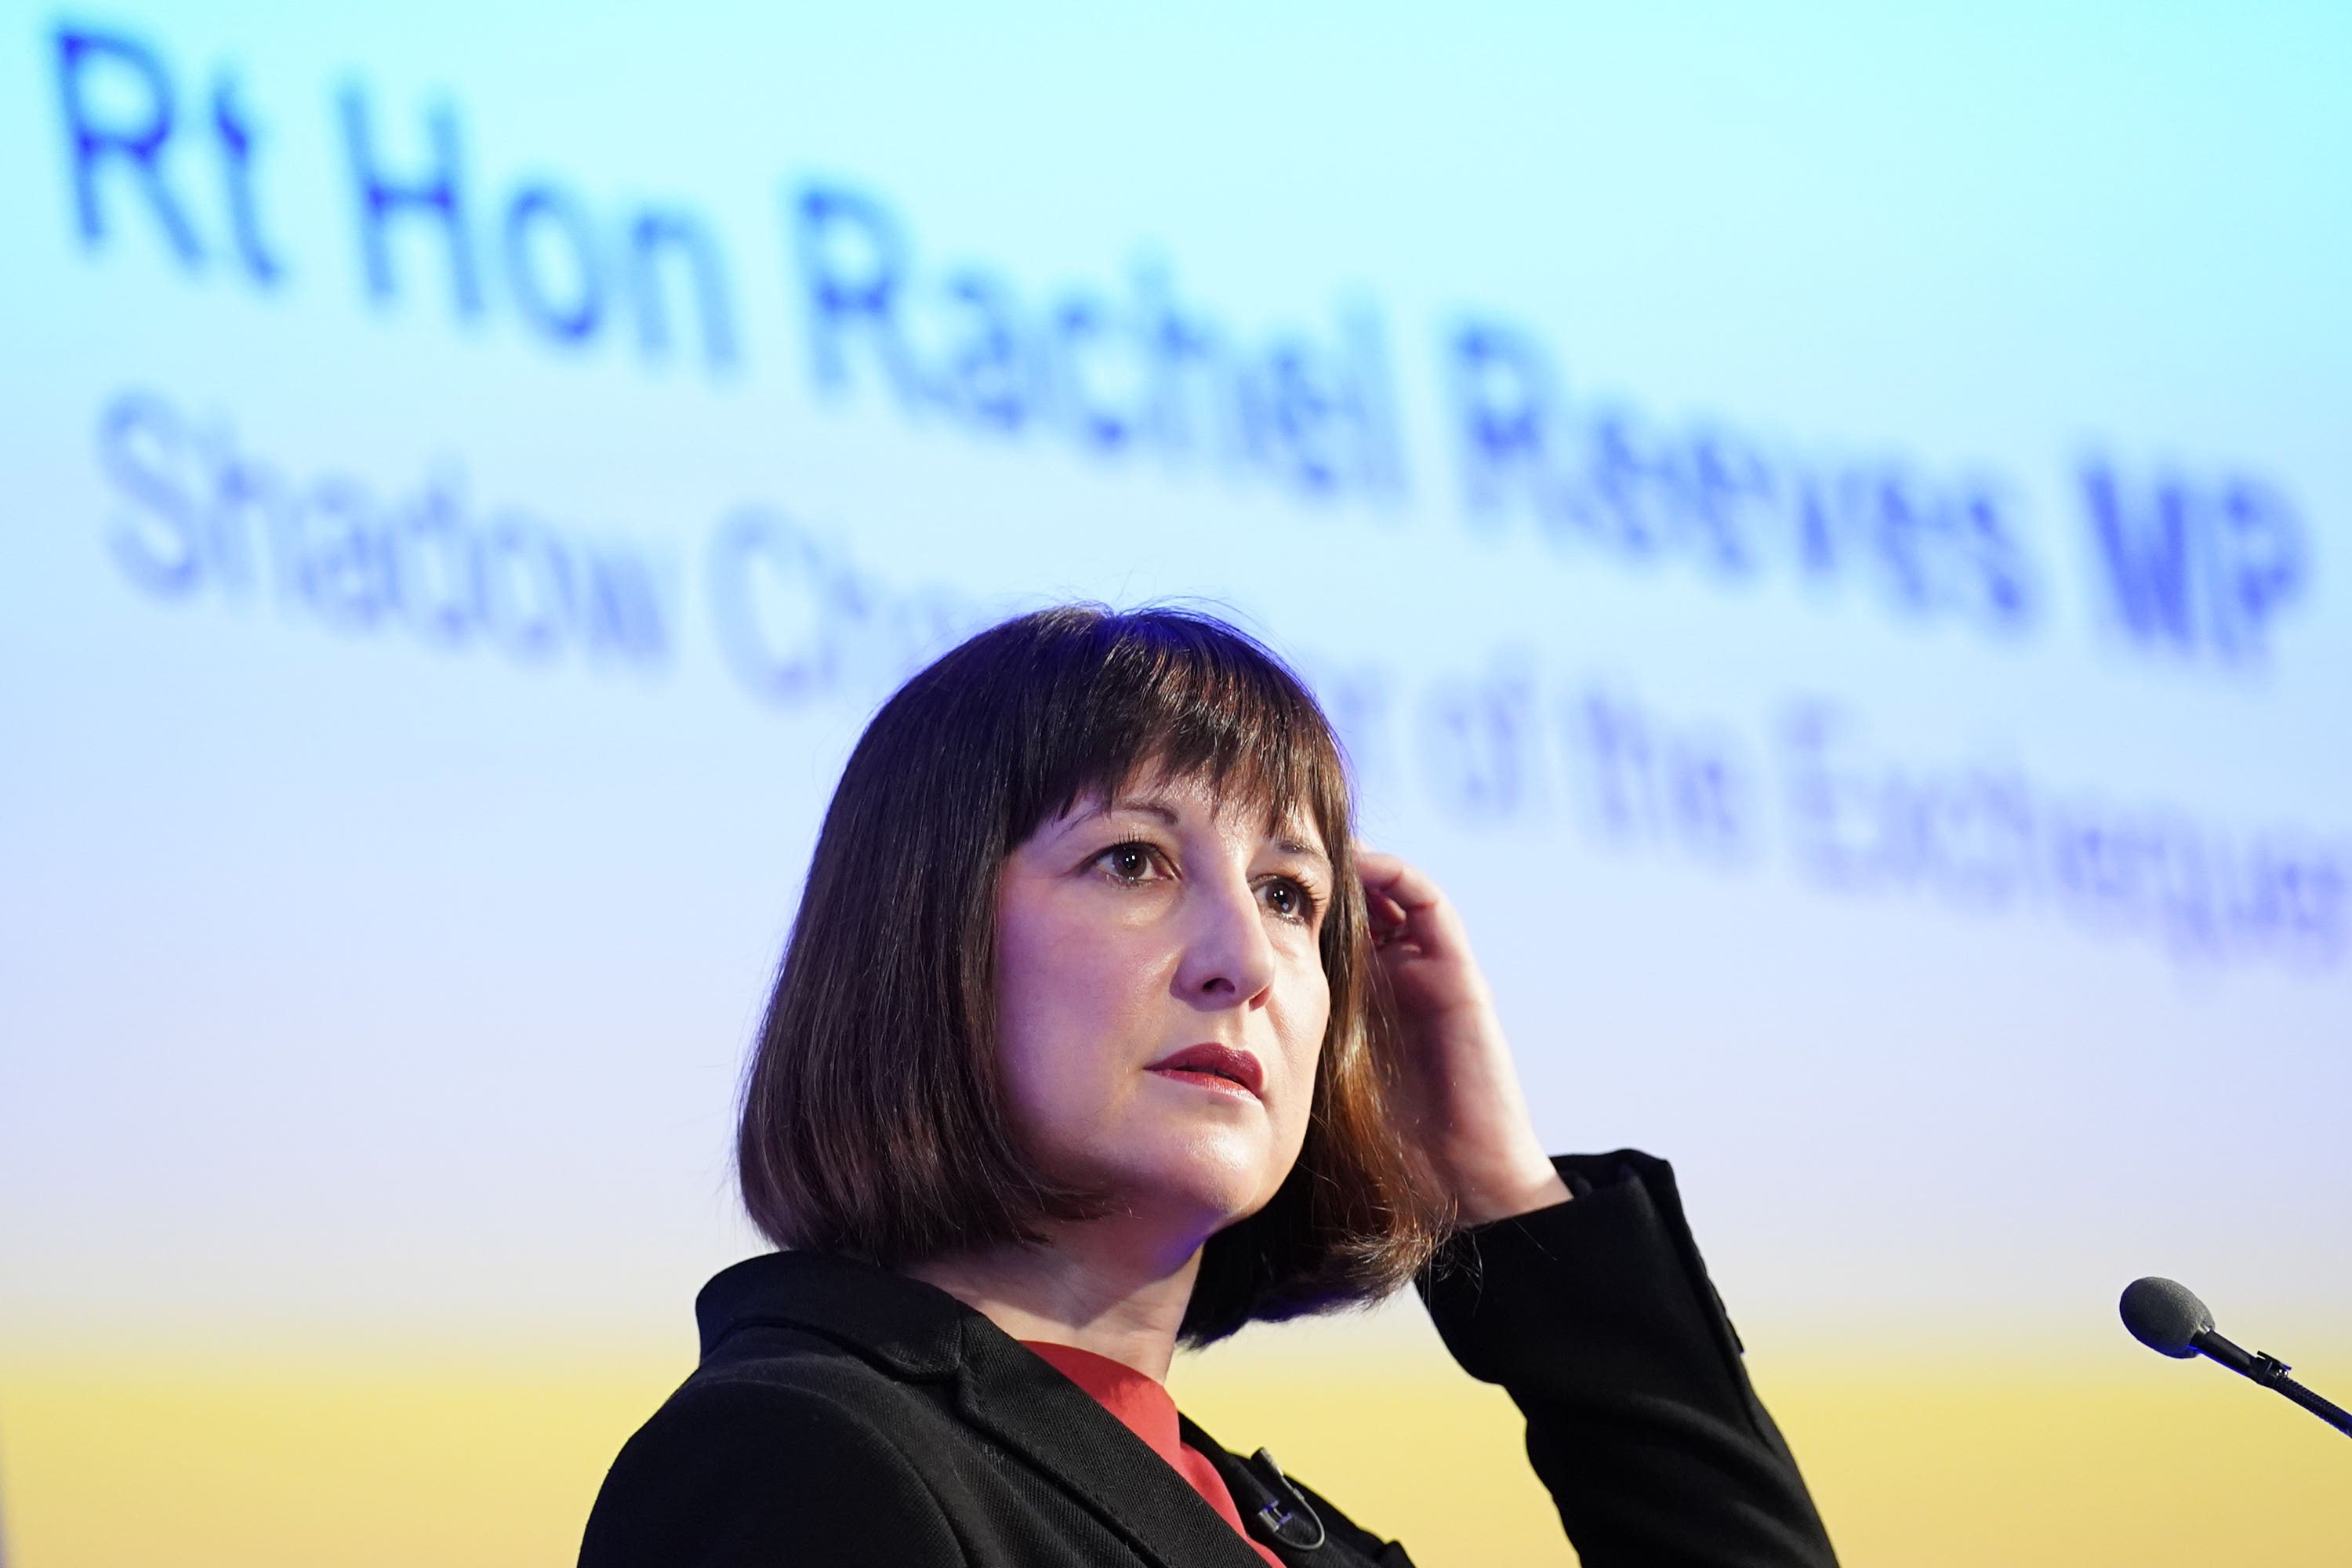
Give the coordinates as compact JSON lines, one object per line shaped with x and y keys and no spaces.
{"x":1221,"y":1069}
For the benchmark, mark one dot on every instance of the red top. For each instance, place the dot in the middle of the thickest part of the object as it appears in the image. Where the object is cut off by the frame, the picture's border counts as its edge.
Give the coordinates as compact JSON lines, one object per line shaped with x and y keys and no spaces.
{"x":1146,"y":1409}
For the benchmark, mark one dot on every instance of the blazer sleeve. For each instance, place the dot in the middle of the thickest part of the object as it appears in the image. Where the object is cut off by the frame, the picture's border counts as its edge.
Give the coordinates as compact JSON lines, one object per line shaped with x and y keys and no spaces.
{"x":737,"y":1474}
{"x":1597,"y":1317}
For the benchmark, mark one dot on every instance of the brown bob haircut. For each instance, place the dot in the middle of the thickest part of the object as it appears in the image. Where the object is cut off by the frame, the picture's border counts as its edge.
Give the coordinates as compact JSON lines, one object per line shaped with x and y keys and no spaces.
{"x":874,"y":1123}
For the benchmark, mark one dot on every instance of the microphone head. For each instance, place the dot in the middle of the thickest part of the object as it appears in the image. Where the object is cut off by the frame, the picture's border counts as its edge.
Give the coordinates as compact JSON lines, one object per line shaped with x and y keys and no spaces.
{"x":2165,"y":1315}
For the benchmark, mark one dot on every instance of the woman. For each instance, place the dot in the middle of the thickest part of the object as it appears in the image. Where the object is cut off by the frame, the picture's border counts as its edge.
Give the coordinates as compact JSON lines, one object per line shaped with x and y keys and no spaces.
{"x":1097,"y":1032}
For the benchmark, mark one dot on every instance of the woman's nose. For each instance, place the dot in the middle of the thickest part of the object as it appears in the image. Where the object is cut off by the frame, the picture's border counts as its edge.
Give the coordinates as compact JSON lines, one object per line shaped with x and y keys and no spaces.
{"x":1228,"y":956}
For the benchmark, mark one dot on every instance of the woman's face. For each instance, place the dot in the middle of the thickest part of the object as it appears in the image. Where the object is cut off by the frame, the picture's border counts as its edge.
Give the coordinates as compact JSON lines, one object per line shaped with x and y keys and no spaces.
{"x":1160,"y":997}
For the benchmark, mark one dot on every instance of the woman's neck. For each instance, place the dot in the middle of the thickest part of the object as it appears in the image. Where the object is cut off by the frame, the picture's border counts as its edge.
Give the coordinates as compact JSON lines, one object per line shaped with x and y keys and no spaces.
{"x":1096,"y":1285}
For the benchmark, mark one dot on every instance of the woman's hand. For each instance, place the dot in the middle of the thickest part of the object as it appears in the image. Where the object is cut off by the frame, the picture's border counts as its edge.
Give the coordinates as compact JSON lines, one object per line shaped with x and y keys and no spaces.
{"x":1465,"y":1100}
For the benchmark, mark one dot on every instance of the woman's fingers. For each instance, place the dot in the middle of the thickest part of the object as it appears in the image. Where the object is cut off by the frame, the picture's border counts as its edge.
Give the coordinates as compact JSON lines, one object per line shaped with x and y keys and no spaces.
{"x":1394,"y":878}
{"x":1406,"y":903}
{"x":1385,"y":915}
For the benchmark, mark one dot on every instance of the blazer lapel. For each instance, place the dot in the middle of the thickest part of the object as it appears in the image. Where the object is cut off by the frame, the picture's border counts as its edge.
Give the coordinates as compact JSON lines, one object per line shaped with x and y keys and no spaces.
{"x":1032,"y":1409}
{"x":924,"y":1334}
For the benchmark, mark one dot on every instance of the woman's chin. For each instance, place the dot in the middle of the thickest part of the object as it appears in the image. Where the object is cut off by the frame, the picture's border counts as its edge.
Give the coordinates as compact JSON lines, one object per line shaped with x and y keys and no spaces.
{"x":1212,"y":1181}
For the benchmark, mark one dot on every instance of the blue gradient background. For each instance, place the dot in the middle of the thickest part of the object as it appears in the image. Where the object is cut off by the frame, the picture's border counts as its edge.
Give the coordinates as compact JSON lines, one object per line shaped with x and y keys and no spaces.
{"x":345,"y":981}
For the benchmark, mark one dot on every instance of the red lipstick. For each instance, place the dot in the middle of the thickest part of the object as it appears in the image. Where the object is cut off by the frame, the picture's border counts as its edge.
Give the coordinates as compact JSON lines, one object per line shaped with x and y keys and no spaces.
{"x":1217,"y":1065}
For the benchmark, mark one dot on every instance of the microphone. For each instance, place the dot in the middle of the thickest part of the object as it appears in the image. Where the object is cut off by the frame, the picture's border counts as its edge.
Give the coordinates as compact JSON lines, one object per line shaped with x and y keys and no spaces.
{"x":2167,"y":1317}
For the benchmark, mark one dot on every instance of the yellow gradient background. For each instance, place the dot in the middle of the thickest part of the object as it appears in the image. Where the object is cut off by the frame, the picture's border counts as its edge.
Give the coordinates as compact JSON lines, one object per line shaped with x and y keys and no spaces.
{"x":409,"y":1456}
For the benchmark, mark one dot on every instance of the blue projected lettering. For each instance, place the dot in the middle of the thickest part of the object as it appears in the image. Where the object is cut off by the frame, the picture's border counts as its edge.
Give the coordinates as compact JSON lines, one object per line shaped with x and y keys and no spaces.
{"x":117,"y":99}
{"x":1109,"y":371}
{"x":546,"y":229}
{"x":800,"y":623}
{"x":235,"y":132}
{"x":431,"y":197}
{"x":1602,"y":479}
{"x":1139,"y":377}
{"x":1989,"y":837}
{"x":202,"y":517}
{"x":2191,"y":568}
{"x":1686,"y":788}
{"x":571,"y":269}
{"x":127,"y":136}
{"x":801,"y":626}
{"x":2177,"y":568}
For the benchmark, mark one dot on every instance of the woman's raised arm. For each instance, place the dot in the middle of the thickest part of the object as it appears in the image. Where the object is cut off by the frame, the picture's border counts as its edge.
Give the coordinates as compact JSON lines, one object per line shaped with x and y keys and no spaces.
{"x":1596,"y":1315}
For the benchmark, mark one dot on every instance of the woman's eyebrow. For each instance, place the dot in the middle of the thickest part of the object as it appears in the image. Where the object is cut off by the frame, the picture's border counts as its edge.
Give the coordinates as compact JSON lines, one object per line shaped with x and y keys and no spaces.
{"x":1300,"y":847}
{"x":1287,"y":844}
{"x":1147,"y":807}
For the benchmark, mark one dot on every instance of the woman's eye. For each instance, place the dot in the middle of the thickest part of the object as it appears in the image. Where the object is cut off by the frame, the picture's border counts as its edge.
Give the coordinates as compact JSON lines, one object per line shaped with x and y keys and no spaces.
{"x":1127,"y":862}
{"x":1288,"y":899}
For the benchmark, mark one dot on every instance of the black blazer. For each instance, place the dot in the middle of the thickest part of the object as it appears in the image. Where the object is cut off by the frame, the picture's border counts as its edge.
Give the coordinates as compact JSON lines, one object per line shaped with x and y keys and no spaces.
{"x":845,"y":1414}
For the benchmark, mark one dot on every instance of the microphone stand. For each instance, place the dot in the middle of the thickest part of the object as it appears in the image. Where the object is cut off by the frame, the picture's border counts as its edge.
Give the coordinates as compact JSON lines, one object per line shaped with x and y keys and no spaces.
{"x":2271,"y":1372}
